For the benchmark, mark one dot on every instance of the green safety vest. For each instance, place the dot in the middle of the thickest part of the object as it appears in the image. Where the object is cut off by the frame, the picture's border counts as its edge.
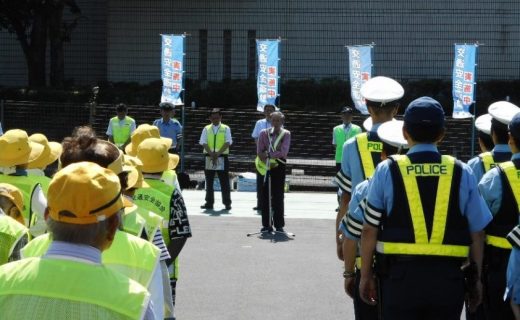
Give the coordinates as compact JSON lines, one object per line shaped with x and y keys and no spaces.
{"x":169,"y":177}
{"x":121,"y":130}
{"x":157,"y":199}
{"x":434,"y":246}
{"x":61,"y":289}
{"x":366,"y":149}
{"x":340,"y":136}
{"x":513,"y":179}
{"x":487,"y":161}
{"x":27,"y":185}
{"x":140,"y":219}
{"x":216,"y":141}
{"x":132,"y":256}
{"x":260,"y":165}
{"x":11,"y":231}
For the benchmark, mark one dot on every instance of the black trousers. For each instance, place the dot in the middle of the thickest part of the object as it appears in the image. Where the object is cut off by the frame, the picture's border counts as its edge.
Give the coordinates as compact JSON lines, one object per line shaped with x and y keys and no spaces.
{"x":277,"y":178}
{"x":495,"y":284}
{"x":223,"y":177}
{"x":429,"y":289}
{"x":259,"y":187}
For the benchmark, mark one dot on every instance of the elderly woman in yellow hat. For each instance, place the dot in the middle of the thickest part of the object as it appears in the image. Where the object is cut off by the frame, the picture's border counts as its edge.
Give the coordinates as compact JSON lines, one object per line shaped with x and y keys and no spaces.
{"x":13,"y":233}
{"x":18,"y":153}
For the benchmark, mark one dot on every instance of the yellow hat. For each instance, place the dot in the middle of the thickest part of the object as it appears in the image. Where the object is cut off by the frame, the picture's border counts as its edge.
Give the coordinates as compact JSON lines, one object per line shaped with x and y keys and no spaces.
{"x":141,"y":133}
{"x":135,"y":175}
{"x":12,"y":193}
{"x":117,"y":165}
{"x":154,"y":154}
{"x":17,"y":149}
{"x":84,"y":193}
{"x":51,"y":151}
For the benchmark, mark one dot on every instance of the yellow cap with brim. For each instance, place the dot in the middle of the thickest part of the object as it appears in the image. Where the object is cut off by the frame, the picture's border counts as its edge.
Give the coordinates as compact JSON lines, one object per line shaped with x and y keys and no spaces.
{"x":135,"y":175}
{"x":154,"y":154}
{"x":84,"y":193}
{"x":117,"y":165}
{"x":12,"y":193}
{"x":51,"y":151}
{"x":17,"y":149}
{"x":141,"y":133}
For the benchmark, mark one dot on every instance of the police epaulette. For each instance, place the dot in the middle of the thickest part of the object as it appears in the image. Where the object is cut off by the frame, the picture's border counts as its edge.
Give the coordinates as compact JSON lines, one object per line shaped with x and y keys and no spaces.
{"x":514,"y":237}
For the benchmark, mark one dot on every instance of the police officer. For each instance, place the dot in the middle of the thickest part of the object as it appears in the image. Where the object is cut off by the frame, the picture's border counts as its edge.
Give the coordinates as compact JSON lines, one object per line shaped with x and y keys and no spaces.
{"x":423,"y":214}
{"x":169,"y":126}
{"x":501,"y":152}
{"x":393,"y":141}
{"x":483,"y":125}
{"x":84,"y":214}
{"x":361,"y":153}
{"x":500,"y":188}
{"x":120,"y":127}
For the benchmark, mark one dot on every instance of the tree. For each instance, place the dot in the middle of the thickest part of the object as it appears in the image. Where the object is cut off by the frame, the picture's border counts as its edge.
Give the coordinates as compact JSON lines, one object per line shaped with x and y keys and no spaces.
{"x":34,"y":22}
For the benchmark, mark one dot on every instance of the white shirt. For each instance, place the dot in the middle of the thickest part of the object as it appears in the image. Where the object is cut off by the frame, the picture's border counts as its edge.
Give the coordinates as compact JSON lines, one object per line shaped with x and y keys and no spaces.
{"x":38,"y":203}
{"x":204,"y":136}
{"x":259,"y":126}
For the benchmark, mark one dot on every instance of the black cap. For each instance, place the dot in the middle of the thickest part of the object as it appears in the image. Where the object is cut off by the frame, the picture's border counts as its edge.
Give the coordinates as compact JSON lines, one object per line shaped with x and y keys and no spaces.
{"x":166,"y":106}
{"x":347,"y":110}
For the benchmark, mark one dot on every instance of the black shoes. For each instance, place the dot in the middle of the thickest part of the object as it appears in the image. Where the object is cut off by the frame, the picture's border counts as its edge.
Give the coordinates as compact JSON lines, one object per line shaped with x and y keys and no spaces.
{"x":280,"y":229}
{"x":207,"y":206}
{"x":266,"y":229}
{"x":228,"y":207}
{"x":255,"y":208}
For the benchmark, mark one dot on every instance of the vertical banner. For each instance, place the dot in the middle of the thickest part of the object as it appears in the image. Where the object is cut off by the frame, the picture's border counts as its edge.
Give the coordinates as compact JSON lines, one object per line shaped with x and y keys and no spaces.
{"x":267,"y":79}
{"x":360,"y":66}
{"x":464,"y":79}
{"x":172,"y":68}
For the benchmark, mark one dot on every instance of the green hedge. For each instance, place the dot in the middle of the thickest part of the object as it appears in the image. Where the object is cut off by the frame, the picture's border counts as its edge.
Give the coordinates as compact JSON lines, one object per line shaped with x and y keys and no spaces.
{"x":326,"y":94}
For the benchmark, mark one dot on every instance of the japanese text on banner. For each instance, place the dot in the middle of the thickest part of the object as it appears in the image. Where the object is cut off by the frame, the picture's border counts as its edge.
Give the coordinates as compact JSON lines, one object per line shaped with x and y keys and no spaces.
{"x":172,"y":68}
{"x":267,"y":81}
{"x":464,"y":80}
{"x":360,"y":66}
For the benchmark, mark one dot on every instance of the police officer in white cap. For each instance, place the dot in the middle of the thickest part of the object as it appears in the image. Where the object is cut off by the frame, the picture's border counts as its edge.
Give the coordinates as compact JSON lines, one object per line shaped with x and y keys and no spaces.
{"x":483,"y":125}
{"x":361,"y":154}
{"x":500,"y":188}
{"x":499,"y":133}
{"x":391,"y":135}
{"x":424,"y":218}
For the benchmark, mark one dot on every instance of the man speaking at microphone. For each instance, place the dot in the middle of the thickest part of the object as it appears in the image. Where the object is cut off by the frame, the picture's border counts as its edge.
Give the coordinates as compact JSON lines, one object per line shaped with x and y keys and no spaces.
{"x":273,"y":143}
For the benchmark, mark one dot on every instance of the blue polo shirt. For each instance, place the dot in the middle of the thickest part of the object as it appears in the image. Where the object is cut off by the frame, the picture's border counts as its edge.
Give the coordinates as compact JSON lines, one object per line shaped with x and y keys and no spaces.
{"x":490,"y":186}
{"x":352,"y":224}
{"x":500,"y":151}
{"x":381,"y":194}
{"x":171,"y":129}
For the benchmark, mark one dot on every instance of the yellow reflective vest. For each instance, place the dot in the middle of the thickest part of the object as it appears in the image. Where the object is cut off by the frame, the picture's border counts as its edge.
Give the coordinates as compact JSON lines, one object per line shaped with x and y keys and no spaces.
{"x":11,"y":232}
{"x":134,"y":257}
{"x":216,"y":141}
{"x":368,"y":150}
{"x":340,"y":136}
{"x":121,"y":130}
{"x":61,"y":289}
{"x":449,"y":240}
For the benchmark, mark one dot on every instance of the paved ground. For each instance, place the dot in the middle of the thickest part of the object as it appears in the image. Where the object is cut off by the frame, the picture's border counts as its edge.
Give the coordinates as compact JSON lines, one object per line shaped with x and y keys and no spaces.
{"x":226,"y":275}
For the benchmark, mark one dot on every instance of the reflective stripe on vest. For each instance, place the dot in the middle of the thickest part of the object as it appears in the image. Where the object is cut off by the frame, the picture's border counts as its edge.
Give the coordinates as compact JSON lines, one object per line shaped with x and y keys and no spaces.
{"x":498,"y":242}
{"x":133,"y":223}
{"x":260,"y":165}
{"x":11,"y":231}
{"x":216,"y":141}
{"x":366,"y":148}
{"x":487,"y":161}
{"x":134,"y":257}
{"x":27,"y":186}
{"x":513,"y":178}
{"x":70,"y":287}
{"x":340,"y":137}
{"x":422,"y":246}
{"x":121,"y":130}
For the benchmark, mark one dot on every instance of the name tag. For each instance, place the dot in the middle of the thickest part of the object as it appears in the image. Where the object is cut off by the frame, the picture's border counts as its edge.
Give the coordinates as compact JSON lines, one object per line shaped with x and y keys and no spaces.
{"x":427,"y":169}
{"x":374,"y":146}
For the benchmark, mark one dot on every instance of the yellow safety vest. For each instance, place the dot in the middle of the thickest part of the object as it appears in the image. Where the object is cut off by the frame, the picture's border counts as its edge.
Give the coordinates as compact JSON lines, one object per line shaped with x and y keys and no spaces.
{"x":513,"y":179}
{"x":133,"y":223}
{"x":340,"y":137}
{"x":121,"y":130}
{"x":27,"y":185}
{"x":145,"y":220}
{"x":366,"y":149}
{"x":169,"y":177}
{"x":487,"y":161}
{"x":61,"y":289}
{"x":434,"y":246}
{"x":11,"y":231}
{"x":216,"y":141}
{"x":260,"y":165}
{"x":134,"y":257}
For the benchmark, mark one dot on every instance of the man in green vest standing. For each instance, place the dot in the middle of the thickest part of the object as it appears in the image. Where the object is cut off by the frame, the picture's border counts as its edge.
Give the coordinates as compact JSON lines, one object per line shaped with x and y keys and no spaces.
{"x":84,"y":211}
{"x":120,"y":127}
{"x":340,"y":134}
{"x":216,"y":139}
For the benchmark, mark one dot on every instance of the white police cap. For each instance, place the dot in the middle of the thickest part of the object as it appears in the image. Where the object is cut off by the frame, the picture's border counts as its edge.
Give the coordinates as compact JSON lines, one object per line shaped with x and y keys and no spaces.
{"x":391,"y":132}
{"x":367,"y":124}
{"x":483,"y":123}
{"x":503,"y":111}
{"x":382,"y":89}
